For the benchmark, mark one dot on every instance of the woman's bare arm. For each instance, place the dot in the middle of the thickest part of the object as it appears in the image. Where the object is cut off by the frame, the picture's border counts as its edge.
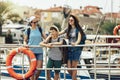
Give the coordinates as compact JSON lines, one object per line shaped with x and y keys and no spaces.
{"x":44,"y":35}
{"x":79,"y":39}
{"x":25,"y":39}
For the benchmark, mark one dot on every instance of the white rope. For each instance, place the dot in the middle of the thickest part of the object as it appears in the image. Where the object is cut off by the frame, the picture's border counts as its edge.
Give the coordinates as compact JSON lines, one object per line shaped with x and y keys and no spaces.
{"x":23,"y":77}
{"x":9,"y":67}
{"x":34,"y":59}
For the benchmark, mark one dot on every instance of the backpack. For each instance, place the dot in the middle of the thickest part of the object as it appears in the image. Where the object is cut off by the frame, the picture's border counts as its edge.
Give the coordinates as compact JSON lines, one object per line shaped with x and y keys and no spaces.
{"x":28,"y":31}
{"x":63,"y":50}
{"x":83,"y":38}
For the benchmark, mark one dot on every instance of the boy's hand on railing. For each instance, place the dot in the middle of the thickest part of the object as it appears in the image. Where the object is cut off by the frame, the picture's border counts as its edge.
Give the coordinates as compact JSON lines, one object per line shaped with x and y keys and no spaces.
{"x":49,"y":45}
{"x":73,"y":44}
{"x":44,"y":41}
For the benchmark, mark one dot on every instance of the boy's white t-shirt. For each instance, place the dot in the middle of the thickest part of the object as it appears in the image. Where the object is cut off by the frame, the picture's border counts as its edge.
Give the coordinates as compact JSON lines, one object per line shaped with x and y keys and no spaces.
{"x":55,"y":53}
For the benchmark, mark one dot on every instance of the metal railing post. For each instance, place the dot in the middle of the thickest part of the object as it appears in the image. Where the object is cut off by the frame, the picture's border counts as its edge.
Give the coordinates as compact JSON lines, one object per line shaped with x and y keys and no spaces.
{"x":45,"y":61}
{"x":0,"y":66}
{"x":109,"y":57}
{"x":64,"y":73}
{"x":94,"y":52}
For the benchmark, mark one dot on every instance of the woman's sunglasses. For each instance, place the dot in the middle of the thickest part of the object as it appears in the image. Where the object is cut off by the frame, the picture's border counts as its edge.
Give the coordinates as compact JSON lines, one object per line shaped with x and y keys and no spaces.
{"x":34,"y":22}
{"x":71,"y":20}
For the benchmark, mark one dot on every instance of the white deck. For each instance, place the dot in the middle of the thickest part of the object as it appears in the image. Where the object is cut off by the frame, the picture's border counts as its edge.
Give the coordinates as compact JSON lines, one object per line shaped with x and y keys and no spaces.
{"x":6,"y":78}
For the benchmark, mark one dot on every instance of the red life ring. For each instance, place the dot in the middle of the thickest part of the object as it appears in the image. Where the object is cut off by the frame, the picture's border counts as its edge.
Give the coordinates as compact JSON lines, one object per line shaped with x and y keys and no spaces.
{"x":33,"y":63}
{"x":115,"y":30}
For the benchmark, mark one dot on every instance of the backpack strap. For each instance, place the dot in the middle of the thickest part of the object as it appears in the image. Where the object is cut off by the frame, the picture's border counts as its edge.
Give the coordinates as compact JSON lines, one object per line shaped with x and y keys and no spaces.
{"x":77,"y":31}
{"x":58,"y":39}
{"x":50,"y":40}
{"x":28,"y":31}
{"x":83,"y":38}
{"x":40,"y":29}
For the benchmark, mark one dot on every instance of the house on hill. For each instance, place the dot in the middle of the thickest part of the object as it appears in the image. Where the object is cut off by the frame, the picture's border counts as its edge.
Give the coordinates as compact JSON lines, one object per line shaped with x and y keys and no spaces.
{"x":92,"y":11}
{"x":113,"y":16}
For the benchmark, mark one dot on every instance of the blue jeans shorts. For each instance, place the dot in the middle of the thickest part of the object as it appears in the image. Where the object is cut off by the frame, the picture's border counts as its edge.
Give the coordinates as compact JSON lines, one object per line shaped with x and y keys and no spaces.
{"x":74,"y":55}
{"x":39,"y":56}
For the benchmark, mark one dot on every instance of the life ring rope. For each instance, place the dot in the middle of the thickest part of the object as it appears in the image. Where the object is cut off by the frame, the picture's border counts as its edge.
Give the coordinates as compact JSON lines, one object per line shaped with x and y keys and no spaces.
{"x":23,"y":76}
{"x":33,"y":63}
{"x":9,"y":67}
{"x":34,"y":59}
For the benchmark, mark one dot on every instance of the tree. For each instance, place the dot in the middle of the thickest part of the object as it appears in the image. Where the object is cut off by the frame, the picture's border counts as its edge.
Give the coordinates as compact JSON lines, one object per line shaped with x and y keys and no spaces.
{"x":14,"y":17}
{"x":108,"y":27}
{"x":4,"y":8}
{"x":58,"y":25}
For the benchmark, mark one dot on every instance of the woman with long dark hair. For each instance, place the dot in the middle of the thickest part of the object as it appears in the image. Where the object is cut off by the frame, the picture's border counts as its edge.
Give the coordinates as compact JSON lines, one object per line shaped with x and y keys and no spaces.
{"x":76,"y":36}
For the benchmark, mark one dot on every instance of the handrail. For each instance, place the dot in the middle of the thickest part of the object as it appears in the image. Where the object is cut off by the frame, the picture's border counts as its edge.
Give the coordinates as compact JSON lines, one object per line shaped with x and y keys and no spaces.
{"x":68,"y":69}
{"x":83,"y":45}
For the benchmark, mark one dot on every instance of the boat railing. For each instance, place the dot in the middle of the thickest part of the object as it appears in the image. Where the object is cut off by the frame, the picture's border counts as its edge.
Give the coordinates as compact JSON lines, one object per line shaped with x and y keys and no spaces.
{"x":94,"y":65}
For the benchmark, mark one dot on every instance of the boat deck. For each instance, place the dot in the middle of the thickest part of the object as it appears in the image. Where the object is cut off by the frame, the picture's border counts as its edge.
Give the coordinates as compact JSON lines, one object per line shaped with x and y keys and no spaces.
{"x":6,"y":78}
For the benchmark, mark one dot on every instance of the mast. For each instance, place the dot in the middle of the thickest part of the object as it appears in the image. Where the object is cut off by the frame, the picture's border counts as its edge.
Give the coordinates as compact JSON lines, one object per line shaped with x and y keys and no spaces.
{"x":111,"y":10}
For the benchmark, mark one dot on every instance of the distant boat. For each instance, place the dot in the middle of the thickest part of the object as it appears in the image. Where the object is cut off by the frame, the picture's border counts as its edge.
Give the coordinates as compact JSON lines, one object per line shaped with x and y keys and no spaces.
{"x":16,"y":30}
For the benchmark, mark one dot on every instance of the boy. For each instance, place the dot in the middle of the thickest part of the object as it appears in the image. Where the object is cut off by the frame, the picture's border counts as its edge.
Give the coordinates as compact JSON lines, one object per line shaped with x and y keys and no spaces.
{"x":54,"y":53}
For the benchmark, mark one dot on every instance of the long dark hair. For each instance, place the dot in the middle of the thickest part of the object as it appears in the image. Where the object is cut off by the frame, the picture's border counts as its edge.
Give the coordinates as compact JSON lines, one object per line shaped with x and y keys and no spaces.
{"x":77,"y":25}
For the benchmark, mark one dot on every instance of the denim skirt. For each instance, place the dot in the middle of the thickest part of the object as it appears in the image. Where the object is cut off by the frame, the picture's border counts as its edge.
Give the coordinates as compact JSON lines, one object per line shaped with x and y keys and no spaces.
{"x":74,"y":53}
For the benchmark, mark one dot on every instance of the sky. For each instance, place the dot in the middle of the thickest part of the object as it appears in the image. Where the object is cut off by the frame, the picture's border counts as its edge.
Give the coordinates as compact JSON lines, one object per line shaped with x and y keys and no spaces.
{"x":106,"y":5}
